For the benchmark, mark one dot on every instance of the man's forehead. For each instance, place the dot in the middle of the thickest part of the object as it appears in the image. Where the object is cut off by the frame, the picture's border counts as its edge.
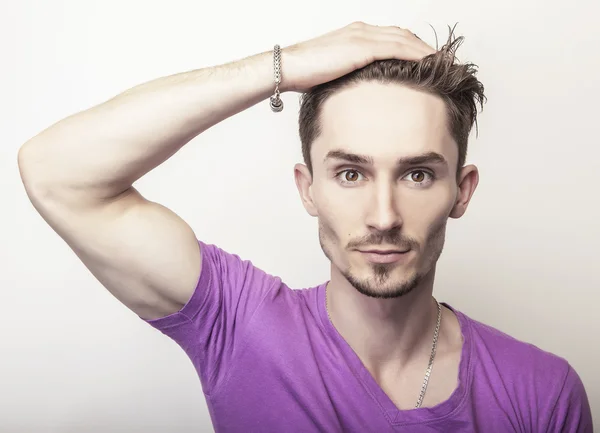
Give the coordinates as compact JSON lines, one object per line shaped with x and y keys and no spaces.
{"x":385,"y":122}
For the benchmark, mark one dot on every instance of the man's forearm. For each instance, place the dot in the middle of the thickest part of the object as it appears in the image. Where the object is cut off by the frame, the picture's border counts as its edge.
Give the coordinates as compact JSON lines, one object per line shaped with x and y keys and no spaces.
{"x":102,"y":151}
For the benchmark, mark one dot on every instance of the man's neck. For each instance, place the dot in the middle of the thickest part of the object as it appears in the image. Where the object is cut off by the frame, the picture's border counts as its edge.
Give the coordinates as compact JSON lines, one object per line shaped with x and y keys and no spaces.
{"x":385,"y":333}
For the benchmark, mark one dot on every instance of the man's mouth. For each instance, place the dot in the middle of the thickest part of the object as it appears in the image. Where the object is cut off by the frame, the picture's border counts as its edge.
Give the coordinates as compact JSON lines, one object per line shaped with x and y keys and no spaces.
{"x":377,"y":251}
{"x":384,"y":256}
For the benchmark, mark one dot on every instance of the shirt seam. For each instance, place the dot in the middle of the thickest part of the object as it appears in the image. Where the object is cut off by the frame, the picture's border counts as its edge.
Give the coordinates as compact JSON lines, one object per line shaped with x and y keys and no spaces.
{"x":562,"y":388}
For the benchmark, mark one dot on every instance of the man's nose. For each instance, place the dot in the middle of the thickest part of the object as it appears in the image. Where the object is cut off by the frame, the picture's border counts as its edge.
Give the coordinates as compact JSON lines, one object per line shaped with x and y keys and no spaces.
{"x":383,"y":214}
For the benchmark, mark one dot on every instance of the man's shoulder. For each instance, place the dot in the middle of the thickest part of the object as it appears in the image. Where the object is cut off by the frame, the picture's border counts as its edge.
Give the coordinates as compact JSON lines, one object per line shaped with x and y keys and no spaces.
{"x":511,"y":355}
{"x":528,"y":377}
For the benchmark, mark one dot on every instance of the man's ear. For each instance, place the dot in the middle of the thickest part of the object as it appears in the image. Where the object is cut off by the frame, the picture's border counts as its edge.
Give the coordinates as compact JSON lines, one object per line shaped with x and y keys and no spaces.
{"x":467,"y":183}
{"x":303,"y":183}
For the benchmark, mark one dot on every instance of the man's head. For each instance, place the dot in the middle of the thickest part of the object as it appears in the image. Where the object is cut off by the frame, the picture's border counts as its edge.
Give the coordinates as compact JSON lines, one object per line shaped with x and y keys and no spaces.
{"x":384,"y":149}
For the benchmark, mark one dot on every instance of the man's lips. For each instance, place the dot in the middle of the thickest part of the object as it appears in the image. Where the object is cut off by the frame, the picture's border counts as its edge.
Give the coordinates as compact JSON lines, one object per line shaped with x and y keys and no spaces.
{"x":384,"y":256}
{"x":385,"y":251}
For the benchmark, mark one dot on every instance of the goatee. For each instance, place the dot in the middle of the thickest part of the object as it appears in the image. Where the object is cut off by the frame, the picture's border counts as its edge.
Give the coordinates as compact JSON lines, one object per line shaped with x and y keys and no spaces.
{"x":381,"y":283}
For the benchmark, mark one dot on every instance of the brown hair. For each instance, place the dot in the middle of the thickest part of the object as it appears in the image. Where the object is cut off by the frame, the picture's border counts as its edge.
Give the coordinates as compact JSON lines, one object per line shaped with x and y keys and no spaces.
{"x":439,"y":74}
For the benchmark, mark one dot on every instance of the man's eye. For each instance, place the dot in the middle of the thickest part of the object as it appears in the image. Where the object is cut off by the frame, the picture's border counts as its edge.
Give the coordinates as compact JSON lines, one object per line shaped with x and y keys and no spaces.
{"x":419,"y":176}
{"x":349,"y":176}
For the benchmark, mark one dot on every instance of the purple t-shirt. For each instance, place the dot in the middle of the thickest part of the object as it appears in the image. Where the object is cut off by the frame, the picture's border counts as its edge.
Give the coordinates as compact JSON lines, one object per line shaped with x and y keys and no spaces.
{"x":269,"y":360}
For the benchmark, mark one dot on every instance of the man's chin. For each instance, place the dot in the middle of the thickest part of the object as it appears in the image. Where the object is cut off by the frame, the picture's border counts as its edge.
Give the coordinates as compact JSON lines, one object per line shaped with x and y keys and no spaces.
{"x":373,"y":287}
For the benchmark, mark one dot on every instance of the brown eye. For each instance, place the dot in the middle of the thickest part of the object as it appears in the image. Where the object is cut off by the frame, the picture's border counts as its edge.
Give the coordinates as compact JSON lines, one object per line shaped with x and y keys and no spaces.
{"x":347,"y":177}
{"x":351,"y":176}
{"x":417,"y":176}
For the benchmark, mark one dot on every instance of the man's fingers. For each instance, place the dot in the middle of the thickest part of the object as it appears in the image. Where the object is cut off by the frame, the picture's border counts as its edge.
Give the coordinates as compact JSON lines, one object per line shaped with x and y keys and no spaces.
{"x":400,"y":47}
{"x":397,"y":31}
{"x":402,"y":36}
{"x":394,"y":49}
{"x":391,"y":42}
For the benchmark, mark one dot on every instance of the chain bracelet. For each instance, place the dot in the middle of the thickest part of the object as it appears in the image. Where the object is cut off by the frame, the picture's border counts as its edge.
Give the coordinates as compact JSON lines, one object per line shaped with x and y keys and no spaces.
{"x":275,"y":101}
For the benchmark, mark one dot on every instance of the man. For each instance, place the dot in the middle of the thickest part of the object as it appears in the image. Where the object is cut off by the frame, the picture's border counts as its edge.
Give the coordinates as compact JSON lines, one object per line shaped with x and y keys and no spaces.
{"x":384,"y":126}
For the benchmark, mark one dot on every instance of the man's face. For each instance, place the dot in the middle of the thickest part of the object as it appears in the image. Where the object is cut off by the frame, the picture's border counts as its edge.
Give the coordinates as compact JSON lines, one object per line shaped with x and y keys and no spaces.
{"x":384,"y":178}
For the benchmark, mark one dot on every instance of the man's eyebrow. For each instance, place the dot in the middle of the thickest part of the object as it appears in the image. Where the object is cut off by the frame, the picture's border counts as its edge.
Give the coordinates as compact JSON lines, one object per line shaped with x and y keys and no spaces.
{"x":425,"y":158}
{"x":348,"y":157}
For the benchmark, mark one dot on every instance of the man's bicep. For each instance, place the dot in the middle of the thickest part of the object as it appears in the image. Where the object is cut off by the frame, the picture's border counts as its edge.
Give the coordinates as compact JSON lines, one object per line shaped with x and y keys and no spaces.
{"x":141,"y":252}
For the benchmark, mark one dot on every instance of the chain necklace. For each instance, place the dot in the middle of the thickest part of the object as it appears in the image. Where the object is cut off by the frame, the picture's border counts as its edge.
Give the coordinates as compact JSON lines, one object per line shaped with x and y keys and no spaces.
{"x":433,"y":350}
{"x":432,"y":356}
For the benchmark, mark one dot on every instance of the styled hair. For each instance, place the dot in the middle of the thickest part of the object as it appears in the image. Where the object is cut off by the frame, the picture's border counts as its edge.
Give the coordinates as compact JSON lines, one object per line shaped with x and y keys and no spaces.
{"x":439,"y":74}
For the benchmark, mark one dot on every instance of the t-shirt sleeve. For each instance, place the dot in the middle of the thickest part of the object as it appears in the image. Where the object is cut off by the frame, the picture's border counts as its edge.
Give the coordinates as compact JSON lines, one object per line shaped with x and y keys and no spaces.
{"x":572,"y":413}
{"x":212,"y":325}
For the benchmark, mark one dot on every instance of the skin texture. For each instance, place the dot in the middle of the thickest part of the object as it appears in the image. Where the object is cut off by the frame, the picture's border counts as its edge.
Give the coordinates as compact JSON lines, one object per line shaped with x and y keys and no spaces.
{"x":386,"y":311}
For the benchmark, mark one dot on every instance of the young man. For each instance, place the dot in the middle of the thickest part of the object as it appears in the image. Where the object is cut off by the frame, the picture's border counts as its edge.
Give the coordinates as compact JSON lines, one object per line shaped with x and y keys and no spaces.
{"x":384,"y":126}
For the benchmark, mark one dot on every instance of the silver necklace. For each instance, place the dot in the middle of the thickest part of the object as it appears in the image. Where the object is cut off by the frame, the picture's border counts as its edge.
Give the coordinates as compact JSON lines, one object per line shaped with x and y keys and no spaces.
{"x":436,"y":334}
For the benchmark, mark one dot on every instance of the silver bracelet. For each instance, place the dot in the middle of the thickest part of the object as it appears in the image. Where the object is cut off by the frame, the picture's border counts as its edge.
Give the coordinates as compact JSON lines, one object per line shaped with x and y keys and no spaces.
{"x":276,"y":102}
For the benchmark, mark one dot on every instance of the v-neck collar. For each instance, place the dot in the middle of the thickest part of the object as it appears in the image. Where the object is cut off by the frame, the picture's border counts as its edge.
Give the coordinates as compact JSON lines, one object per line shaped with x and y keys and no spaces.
{"x":391,"y":412}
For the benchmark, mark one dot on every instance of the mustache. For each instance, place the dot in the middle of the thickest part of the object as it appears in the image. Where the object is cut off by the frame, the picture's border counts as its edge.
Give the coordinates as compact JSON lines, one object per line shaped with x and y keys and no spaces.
{"x":392,"y":237}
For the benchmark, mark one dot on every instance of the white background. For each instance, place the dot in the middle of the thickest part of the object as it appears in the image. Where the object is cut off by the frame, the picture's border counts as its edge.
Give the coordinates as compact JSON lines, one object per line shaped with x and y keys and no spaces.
{"x":524,"y":258}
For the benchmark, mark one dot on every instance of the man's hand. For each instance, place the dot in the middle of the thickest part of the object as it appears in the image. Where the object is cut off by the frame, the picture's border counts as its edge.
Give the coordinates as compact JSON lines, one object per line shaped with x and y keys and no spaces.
{"x":337,"y":53}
